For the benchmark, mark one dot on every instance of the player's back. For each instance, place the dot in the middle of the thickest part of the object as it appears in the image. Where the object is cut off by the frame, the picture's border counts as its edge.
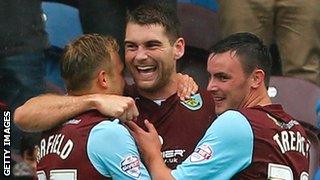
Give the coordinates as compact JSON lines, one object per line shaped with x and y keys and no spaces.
{"x":281,"y":147}
{"x":63,"y":150}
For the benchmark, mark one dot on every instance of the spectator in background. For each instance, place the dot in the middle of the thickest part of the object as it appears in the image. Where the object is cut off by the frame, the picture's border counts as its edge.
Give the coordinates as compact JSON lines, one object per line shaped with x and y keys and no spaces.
{"x":291,"y":24}
{"x":22,"y":43}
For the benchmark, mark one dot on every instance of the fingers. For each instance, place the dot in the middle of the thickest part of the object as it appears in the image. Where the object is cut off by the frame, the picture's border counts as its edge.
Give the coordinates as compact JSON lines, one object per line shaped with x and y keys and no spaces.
{"x":129,"y":116}
{"x":182,"y":86}
{"x":194,"y":87}
{"x":132,"y":112}
{"x":186,"y":87}
{"x":150,"y":127}
{"x":179,"y":92}
{"x":135,"y":111}
{"x":133,"y":126}
{"x":127,"y":109}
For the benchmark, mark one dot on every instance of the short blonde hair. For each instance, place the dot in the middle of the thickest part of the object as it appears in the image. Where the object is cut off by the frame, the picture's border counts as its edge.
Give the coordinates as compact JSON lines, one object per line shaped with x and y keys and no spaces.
{"x":83,"y":57}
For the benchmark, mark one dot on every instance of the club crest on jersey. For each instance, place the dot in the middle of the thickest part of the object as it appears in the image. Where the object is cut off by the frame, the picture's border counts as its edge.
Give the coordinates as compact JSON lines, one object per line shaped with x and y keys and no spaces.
{"x":131,"y":165}
{"x":202,"y":153}
{"x":194,"y":103}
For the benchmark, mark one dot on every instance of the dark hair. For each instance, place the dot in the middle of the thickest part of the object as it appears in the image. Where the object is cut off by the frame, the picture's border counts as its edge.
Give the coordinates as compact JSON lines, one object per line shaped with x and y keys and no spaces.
{"x":157,"y":13}
{"x":251,"y":50}
{"x":82,"y":58}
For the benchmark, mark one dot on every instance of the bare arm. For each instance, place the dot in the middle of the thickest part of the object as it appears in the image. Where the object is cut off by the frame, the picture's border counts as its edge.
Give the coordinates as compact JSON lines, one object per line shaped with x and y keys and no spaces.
{"x":150,"y":148}
{"x":49,"y":110}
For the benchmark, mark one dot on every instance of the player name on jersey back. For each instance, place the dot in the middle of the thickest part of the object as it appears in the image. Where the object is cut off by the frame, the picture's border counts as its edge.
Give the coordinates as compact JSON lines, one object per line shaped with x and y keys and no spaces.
{"x":56,"y":144}
{"x":292,"y":141}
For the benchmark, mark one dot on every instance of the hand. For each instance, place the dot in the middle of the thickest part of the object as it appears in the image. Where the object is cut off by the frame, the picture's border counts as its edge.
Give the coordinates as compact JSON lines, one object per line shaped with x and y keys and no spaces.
{"x":120,"y":107}
{"x":148,"y":141}
{"x":186,"y":86}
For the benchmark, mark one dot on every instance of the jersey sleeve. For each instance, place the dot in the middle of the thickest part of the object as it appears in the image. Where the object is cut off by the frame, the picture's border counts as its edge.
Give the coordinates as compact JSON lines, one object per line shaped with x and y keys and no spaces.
{"x":225,"y":149}
{"x":112,"y":151}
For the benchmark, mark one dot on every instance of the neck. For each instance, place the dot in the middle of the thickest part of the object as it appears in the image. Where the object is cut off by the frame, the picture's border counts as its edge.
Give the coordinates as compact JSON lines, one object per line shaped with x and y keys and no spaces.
{"x":162,"y":93}
{"x":257,"y":97}
{"x":91,"y":90}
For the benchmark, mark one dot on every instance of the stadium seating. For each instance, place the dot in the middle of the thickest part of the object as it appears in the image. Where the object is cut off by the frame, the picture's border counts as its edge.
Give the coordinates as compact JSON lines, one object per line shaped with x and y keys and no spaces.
{"x":62,"y":23}
{"x":199,"y":25}
{"x":297,"y":96}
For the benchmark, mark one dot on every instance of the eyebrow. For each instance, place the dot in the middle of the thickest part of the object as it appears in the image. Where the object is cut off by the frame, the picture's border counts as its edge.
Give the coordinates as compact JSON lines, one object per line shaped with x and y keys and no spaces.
{"x":153,"y":42}
{"x":150,"y":41}
{"x":126,"y":42}
{"x":221,"y":74}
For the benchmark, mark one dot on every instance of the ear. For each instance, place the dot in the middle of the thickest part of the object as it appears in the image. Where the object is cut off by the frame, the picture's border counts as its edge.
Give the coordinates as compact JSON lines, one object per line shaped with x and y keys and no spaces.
{"x":258,"y":76}
{"x":103,"y":79}
{"x":179,"y":46}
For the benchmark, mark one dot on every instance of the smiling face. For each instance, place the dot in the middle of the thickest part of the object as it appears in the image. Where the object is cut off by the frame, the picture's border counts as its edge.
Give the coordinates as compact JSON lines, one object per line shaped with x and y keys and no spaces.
{"x":228,"y":83}
{"x":149,"y":56}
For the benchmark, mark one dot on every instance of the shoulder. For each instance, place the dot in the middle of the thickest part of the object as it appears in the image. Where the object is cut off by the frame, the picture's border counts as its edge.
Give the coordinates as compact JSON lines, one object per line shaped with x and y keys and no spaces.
{"x":231,"y":125}
{"x":112,"y":151}
{"x":217,"y":153}
{"x":112,"y":130}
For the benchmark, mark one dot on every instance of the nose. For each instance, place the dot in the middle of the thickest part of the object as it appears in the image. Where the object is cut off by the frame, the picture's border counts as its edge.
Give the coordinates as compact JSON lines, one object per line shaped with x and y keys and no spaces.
{"x":141,"y":53}
{"x":212,"y":86}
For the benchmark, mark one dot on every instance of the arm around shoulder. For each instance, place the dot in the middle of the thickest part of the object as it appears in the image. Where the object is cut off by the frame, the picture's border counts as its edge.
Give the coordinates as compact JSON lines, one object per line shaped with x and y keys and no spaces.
{"x":49,"y":110}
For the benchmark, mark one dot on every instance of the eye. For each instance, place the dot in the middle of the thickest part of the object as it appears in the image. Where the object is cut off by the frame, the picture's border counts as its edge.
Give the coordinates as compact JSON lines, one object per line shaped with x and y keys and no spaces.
{"x":152,"y":45}
{"x":222,"y":77}
{"x":130,"y":47}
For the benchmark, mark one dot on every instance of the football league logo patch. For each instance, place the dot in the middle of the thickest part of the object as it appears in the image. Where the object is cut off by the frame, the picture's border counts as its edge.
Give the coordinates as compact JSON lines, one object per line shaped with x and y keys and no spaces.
{"x":202,"y":153}
{"x":194,"y":103}
{"x":131,"y":165}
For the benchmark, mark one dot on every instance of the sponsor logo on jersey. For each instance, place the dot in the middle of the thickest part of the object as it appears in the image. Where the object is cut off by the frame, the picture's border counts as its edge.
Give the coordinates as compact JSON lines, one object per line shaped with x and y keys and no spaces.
{"x":131,"y":165}
{"x":202,"y":153}
{"x":173,"y":155}
{"x":194,"y":103}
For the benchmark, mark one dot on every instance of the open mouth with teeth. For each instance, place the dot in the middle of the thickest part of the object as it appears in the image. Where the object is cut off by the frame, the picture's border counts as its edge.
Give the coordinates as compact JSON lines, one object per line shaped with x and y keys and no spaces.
{"x":146,"y":69}
{"x":146,"y":72}
{"x":218,"y":99}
